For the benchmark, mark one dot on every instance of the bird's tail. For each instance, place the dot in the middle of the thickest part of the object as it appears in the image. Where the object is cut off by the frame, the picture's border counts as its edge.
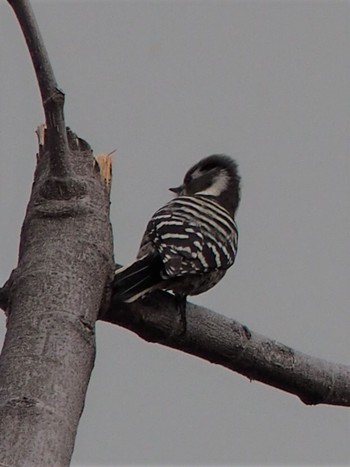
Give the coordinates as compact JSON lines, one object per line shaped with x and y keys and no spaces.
{"x":133,"y":281}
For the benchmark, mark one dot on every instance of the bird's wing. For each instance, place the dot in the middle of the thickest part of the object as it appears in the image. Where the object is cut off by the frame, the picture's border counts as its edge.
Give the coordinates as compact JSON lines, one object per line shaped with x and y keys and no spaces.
{"x":185,"y":248}
{"x":188,"y":244}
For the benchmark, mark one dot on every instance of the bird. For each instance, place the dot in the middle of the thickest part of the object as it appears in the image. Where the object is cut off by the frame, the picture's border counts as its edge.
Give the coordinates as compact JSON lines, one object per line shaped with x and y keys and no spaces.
{"x":191,"y":241}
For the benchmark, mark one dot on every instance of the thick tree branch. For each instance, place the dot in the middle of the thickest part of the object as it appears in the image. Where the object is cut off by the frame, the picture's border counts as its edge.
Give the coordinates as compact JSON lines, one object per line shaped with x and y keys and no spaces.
{"x":226,"y":342}
{"x":52,"y":300}
{"x":55,"y":293}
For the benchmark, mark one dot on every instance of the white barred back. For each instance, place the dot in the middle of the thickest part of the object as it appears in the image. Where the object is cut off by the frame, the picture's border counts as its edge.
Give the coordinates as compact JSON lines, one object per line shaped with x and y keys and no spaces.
{"x":193,"y":235}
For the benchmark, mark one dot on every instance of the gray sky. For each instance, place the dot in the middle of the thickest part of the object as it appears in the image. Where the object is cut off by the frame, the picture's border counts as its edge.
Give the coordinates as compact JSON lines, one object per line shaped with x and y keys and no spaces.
{"x":167,"y":83}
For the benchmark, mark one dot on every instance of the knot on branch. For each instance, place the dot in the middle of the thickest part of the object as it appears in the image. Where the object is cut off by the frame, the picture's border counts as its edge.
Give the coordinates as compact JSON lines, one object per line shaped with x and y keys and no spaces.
{"x":279,"y":355}
{"x":63,"y":188}
{"x":56,"y":97}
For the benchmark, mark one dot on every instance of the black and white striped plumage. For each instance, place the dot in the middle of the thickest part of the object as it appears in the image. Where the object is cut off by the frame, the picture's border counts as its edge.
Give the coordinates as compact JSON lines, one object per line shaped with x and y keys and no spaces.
{"x":191,"y":241}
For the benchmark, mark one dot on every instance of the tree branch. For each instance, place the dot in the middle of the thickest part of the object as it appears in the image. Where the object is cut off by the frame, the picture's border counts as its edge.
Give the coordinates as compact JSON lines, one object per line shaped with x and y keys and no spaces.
{"x":54,"y":295}
{"x":226,"y":342}
{"x":61,"y":181}
{"x":52,"y":300}
{"x":41,"y":62}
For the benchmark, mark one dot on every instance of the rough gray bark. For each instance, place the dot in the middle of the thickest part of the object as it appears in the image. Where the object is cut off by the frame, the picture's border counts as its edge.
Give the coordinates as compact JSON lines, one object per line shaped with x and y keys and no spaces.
{"x":55,"y":293}
{"x":226,"y":342}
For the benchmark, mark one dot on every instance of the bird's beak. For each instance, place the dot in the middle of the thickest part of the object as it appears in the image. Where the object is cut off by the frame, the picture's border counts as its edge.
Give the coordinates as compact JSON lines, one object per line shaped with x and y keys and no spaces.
{"x":177,"y":190}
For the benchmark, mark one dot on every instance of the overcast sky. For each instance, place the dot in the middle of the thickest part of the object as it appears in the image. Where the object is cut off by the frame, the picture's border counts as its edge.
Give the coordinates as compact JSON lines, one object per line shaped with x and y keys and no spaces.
{"x":167,"y":83}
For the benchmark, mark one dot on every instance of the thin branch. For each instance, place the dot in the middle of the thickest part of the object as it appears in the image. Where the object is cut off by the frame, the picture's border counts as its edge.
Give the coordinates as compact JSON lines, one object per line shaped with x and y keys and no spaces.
{"x":36,"y":47}
{"x":226,"y":342}
{"x":52,"y":97}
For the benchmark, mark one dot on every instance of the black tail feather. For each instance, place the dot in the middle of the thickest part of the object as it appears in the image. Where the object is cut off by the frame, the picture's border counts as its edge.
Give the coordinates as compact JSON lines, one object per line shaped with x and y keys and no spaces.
{"x":132,"y":282}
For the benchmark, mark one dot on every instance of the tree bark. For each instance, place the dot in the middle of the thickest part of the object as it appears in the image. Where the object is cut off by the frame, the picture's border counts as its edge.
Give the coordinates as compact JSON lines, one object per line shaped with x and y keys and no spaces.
{"x":58,"y":288}
{"x":56,"y":292}
{"x":226,"y":342}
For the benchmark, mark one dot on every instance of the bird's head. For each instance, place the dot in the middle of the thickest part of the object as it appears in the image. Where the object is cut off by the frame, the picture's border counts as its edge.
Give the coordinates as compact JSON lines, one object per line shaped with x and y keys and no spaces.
{"x":215,"y":176}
